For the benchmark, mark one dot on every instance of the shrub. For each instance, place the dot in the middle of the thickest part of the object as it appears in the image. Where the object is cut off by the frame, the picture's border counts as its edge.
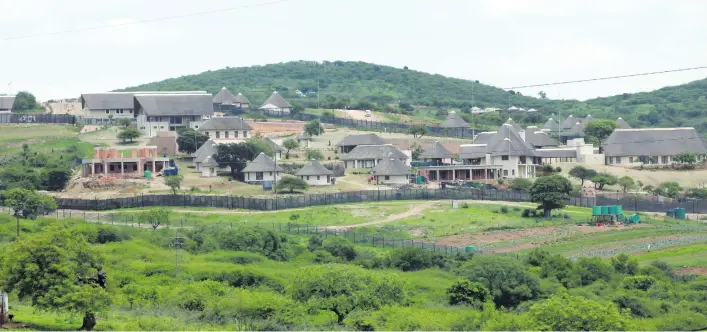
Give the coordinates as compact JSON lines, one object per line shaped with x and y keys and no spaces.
{"x":315,"y":242}
{"x":516,"y":209}
{"x":468,"y":293}
{"x":638,"y":282}
{"x":238,"y":257}
{"x":254,"y":239}
{"x":506,"y":278}
{"x":340,"y":247}
{"x":504,"y":209}
{"x":413,"y":259}
{"x":465,"y":205}
{"x":324,"y":257}
{"x":526,"y":213}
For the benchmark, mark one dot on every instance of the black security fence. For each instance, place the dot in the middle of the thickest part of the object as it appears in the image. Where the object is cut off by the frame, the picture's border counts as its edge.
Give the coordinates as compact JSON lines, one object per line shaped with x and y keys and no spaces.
{"x":18,"y":118}
{"x":283,"y":202}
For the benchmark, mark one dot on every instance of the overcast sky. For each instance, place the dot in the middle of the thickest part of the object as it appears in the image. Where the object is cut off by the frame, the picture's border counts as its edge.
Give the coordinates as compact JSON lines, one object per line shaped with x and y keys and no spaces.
{"x":504,"y":43}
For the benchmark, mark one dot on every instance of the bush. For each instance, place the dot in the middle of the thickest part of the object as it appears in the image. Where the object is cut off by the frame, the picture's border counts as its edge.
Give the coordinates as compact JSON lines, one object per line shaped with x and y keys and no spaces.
{"x":340,"y":247}
{"x":468,"y":293}
{"x":315,"y":242}
{"x":465,"y":205}
{"x":254,"y":239}
{"x":521,"y":184}
{"x":504,"y":209}
{"x":506,"y":278}
{"x":638,"y":282}
{"x":413,"y":259}
{"x":526,"y":213}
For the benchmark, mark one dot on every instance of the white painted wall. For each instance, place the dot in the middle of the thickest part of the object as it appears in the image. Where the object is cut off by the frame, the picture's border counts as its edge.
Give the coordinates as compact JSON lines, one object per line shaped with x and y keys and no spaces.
{"x":226,"y":133}
{"x":208,"y":172}
{"x":267,"y":176}
{"x":392,"y":179}
{"x":317,"y":180}
{"x":127,"y":113}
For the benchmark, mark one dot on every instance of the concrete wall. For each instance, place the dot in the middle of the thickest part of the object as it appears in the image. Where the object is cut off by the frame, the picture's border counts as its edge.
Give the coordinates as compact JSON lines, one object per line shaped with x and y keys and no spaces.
{"x":393,"y":179}
{"x":267,"y":176}
{"x":317,"y":180}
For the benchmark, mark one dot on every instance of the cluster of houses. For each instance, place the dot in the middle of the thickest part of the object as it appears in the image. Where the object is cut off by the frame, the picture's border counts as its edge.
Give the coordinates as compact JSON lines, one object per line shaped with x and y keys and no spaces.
{"x":6,"y":103}
{"x":158,"y":111}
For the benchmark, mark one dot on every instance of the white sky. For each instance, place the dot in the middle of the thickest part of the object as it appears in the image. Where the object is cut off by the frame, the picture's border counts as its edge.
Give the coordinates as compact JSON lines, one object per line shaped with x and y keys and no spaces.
{"x":499,"y":42}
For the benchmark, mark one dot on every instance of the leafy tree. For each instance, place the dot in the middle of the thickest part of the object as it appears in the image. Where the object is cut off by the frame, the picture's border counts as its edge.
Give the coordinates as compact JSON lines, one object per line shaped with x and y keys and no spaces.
{"x":670,"y":189}
{"x":505,"y":277}
{"x":542,"y":95}
{"x":417,"y":151}
{"x":418,"y":130}
{"x":297,"y":108}
{"x":155,"y":217}
{"x":413,"y":259}
{"x":257,"y":116}
{"x":582,"y":173}
{"x":342,"y":289}
{"x":626,"y":183}
{"x":522,"y":184}
{"x":190,"y":140}
{"x":25,"y":101}
{"x":57,"y":177}
{"x":174,"y":182}
{"x":598,"y":130}
{"x":406,"y":108}
{"x":290,"y":144}
{"x":638,"y":282}
{"x":603,"y":179}
{"x":552,"y":192}
{"x":588,"y":270}
{"x":624,"y":264}
{"x":315,"y":242}
{"x":237,"y":155}
{"x":564,"y":312}
{"x":469,"y":293}
{"x":28,"y":203}
{"x":313,"y":128}
{"x":340,"y":247}
{"x":315,"y":154}
{"x":128,"y":135}
{"x":547,"y":170}
{"x":124,"y":122}
{"x":291,"y":184}
{"x":57,"y":270}
{"x":700,"y":193}
{"x":558,"y":267}
{"x":686,"y":158}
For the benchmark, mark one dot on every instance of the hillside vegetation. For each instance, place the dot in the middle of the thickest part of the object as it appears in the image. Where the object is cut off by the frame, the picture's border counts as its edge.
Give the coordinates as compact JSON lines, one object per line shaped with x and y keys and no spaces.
{"x":365,"y":85}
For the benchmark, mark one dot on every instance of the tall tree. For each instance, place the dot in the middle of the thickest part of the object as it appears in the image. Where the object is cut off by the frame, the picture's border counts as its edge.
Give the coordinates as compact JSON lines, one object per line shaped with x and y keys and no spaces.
{"x":237,"y":155}
{"x":552,"y":192}
{"x":289,"y":145}
{"x":626,"y":183}
{"x":506,"y":278}
{"x":174,"y":182}
{"x":57,"y":270}
{"x":190,"y":140}
{"x":582,"y":173}
{"x":128,"y":135}
{"x":155,"y":217}
{"x":25,"y":101}
{"x":313,"y":128}
{"x":28,"y":203}
{"x":598,"y":130}
{"x":418,"y":130}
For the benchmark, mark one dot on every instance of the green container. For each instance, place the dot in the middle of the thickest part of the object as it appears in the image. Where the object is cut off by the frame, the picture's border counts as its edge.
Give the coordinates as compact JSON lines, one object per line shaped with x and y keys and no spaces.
{"x":148,"y":174}
{"x":619,"y":209}
{"x":596,"y":210}
{"x":612,"y":209}
{"x":604,"y":210}
{"x":469,"y":249}
{"x":670,"y":213}
{"x":620,"y":217}
{"x":680,"y":213}
{"x":634,"y":218}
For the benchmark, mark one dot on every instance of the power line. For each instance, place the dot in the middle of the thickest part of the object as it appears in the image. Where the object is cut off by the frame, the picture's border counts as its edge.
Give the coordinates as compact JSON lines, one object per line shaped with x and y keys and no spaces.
{"x":607,"y":78}
{"x":159,"y":19}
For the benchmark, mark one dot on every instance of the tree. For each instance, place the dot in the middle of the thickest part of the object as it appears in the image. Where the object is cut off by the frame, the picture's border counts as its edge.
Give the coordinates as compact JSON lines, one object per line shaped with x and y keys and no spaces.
{"x":598,"y":130}
{"x":155,"y":217}
{"x":190,"y":140}
{"x":128,"y":135}
{"x":257,"y":116}
{"x":521,"y":184}
{"x":547,"y":170}
{"x":342,"y":289}
{"x":297,"y":108}
{"x":603,"y":179}
{"x":290,"y":144}
{"x":174,"y":182}
{"x":552,"y":192}
{"x":314,"y":154}
{"x":542,"y":95}
{"x":417,"y":150}
{"x":25,"y":101}
{"x":469,"y":293}
{"x":57,"y":177}
{"x":57,"y":270}
{"x":505,"y":277}
{"x":124,"y":122}
{"x":291,"y":184}
{"x":582,"y":173}
{"x":625,"y":264}
{"x":626,"y":183}
{"x":237,"y":155}
{"x":28,"y":203}
{"x":413,"y":259}
{"x":340,"y":247}
{"x":313,"y":128}
{"x":418,"y":130}
{"x":686,"y":158}
{"x":564,"y":312}
{"x":670,"y":189}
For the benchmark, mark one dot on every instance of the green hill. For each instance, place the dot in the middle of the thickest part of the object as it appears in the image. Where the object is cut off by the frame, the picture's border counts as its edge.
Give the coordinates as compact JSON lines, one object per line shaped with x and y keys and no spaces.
{"x":364,"y":85}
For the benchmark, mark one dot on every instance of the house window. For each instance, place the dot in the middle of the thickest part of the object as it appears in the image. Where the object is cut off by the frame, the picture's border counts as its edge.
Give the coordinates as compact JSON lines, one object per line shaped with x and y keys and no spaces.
{"x":317,"y":177}
{"x":504,"y":157}
{"x":161,"y":127}
{"x":258,"y":175}
{"x":218,"y":134}
{"x":665,"y":159}
{"x":505,"y":172}
{"x":513,"y":172}
{"x":618,"y":160}
{"x":154,"y":127}
{"x":107,"y":111}
{"x":207,"y":134}
{"x":247,"y":176}
{"x":236,"y":134}
{"x":131,"y":111}
{"x":270,"y":173}
{"x":245,"y":134}
{"x":226,"y":134}
{"x":307,"y":177}
{"x":387,"y":177}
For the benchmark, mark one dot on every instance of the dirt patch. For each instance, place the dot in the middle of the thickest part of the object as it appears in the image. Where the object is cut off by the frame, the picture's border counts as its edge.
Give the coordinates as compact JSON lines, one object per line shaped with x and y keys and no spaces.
{"x":698,"y":270}
{"x":89,"y":128}
{"x":278,"y":127}
{"x":482,"y":239}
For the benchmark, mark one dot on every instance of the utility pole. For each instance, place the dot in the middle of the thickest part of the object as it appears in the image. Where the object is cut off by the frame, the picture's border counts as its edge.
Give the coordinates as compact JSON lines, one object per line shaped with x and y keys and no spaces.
{"x":177,"y":242}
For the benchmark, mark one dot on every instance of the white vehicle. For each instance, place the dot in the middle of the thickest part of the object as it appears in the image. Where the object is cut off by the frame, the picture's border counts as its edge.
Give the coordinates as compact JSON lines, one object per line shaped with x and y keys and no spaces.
{"x":368,"y":113}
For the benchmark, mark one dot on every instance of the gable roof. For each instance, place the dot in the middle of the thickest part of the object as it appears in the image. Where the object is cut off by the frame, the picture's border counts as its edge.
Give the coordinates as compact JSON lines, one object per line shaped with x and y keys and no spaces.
{"x":622,"y":124}
{"x":209,"y":161}
{"x":586,"y":120}
{"x":569,"y":122}
{"x":538,"y":138}
{"x":274,"y":146}
{"x":508,"y":142}
{"x":454,"y":121}
{"x":484,"y":138}
{"x":391,"y":166}
{"x":107,"y":100}
{"x":175,"y":104}
{"x":472,"y":151}
{"x":224,"y":97}
{"x":225,"y":123}
{"x":576,"y":130}
{"x":314,"y":167}
{"x":6,"y":102}
{"x":551,"y":125}
{"x":262,"y":163}
{"x":654,"y":142}
{"x":515,"y":125}
{"x":276,"y":100}
{"x":374,"y":152}
{"x":361,"y":139}
{"x":436,"y":151}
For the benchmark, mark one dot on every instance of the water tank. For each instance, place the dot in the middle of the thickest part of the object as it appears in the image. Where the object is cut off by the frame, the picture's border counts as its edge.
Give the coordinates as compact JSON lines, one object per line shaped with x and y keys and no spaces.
{"x":680,"y":213}
{"x":604,"y":210}
{"x":469,"y":249}
{"x":148,"y":174}
{"x":612,"y":209}
{"x":670,"y":213}
{"x":596,"y":210}
{"x":619,"y":209}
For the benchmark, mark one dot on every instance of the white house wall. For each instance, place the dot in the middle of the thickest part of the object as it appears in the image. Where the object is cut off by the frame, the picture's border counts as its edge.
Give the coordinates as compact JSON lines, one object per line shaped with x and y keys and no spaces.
{"x":222,"y":133}
{"x":267,"y":176}
{"x":393,"y":179}
{"x":316,"y":180}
